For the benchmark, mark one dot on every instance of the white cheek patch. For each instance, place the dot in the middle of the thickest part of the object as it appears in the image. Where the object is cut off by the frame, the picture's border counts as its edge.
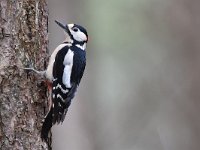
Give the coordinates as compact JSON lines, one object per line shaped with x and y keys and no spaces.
{"x":79,"y":36}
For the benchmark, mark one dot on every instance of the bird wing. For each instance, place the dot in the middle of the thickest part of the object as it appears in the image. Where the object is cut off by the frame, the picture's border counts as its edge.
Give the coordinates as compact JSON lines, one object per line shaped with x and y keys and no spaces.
{"x":62,"y":93}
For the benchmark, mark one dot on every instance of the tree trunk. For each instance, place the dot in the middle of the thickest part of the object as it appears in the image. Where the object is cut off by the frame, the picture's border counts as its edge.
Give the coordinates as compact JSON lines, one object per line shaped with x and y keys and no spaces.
{"x":23,"y":42}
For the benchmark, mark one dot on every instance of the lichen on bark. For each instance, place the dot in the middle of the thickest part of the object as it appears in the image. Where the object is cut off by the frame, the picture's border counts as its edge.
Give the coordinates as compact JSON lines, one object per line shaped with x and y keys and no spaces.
{"x":23,"y":41}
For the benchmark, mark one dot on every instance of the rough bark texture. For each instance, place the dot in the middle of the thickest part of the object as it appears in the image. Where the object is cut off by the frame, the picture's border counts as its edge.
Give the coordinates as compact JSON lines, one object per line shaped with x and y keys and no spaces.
{"x":23,"y":42}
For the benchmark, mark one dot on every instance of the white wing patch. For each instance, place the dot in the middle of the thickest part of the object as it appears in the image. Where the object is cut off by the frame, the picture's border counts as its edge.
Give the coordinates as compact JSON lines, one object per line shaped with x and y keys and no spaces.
{"x":49,"y":71}
{"x":68,"y":63}
{"x":59,"y":96}
{"x":60,"y":87}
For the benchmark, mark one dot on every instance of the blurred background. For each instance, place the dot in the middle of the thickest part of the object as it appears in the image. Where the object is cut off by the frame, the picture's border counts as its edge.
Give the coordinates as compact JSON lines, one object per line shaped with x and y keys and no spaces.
{"x":141,"y":87}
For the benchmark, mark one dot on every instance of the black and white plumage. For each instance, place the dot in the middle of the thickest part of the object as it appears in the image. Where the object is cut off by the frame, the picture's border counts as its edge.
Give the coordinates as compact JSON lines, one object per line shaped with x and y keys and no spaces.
{"x":64,"y":72}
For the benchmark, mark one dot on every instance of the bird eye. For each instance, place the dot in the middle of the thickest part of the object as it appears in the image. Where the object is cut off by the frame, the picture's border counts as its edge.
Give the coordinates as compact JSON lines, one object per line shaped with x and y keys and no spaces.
{"x":75,"y":29}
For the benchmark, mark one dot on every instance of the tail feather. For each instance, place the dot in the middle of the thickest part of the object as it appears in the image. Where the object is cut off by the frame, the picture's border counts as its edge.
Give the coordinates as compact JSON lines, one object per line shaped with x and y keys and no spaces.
{"x":57,"y":112}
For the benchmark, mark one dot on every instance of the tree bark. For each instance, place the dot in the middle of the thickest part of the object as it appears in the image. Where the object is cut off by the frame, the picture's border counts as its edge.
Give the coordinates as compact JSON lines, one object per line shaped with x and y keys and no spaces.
{"x":23,"y":42}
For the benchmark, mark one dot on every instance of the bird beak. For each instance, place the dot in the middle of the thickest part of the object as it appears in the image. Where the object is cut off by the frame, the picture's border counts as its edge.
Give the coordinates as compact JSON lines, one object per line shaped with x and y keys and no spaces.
{"x":62,"y":26}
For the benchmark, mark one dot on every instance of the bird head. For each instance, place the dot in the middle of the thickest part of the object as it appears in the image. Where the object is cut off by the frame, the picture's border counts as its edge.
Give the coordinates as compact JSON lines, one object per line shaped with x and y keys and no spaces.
{"x":75,"y":34}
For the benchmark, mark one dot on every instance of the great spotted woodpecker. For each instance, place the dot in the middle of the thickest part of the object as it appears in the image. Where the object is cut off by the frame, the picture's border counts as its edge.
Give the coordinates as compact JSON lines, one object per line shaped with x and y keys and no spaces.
{"x":64,"y":72}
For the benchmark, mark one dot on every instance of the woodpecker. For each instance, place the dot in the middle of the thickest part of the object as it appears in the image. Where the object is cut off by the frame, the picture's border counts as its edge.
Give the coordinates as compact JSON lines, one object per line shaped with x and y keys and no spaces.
{"x":64,"y":72}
